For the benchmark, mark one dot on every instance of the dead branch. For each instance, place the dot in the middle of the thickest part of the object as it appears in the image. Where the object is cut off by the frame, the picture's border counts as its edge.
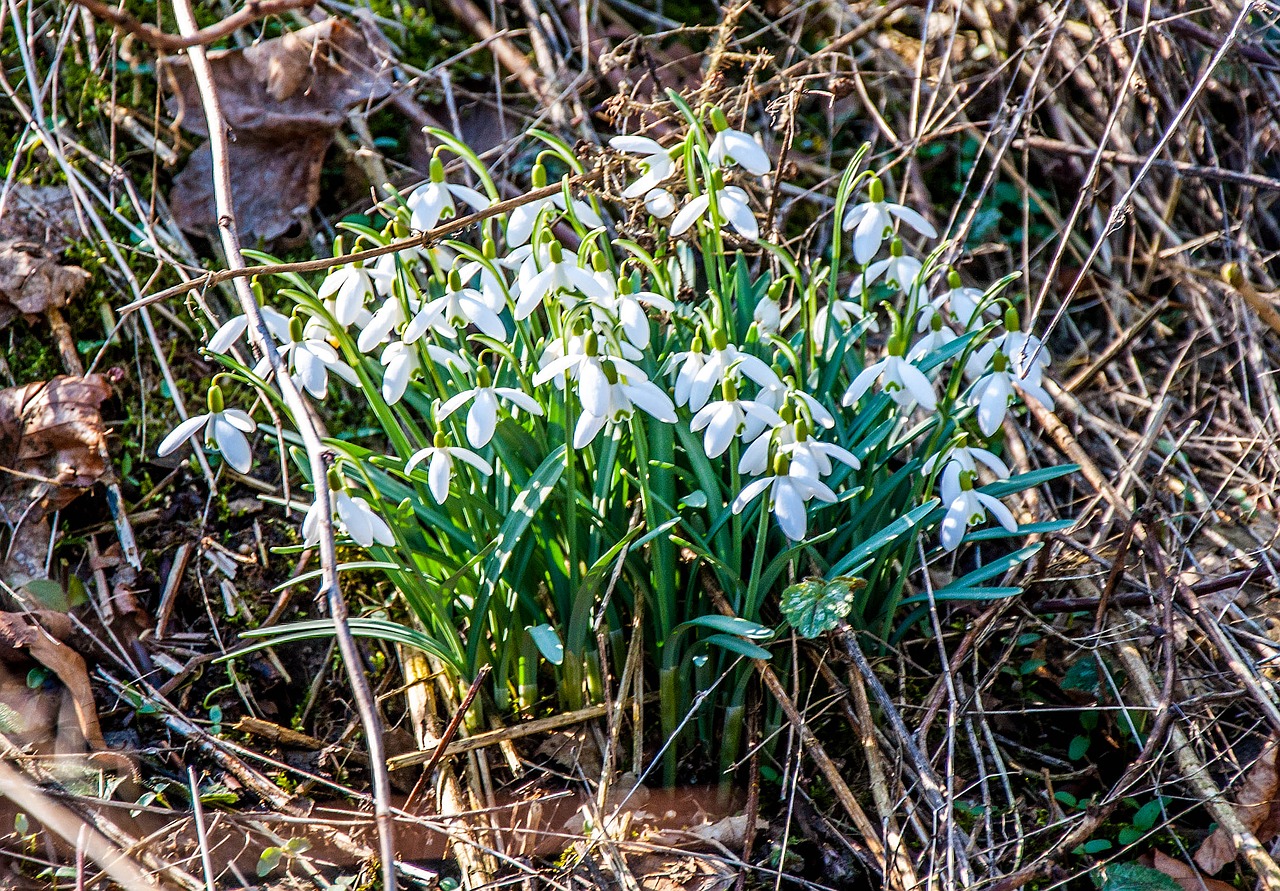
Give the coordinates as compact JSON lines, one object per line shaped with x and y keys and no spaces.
{"x":172,"y":43}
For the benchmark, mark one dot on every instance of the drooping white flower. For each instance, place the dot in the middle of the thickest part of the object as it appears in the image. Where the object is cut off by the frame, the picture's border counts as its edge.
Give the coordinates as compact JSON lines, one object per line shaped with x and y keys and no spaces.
{"x":520,"y":223}
{"x":686,"y":366}
{"x":348,"y":286}
{"x":731,"y":417}
{"x":768,"y":315}
{"x":968,"y":458}
{"x":627,"y":310}
{"x":964,"y":303}
{"x":660,"y":203}
{"x":309,"y":360}
{"x":401,"y":360}
{"x":561,"y":273}
{"x":224,"y":431}
{"x":482,"y":419}
{"x":655,"y":162}
{"x":938,"y":337}
{"x":493,"y":283}
{"x":993,"y":392}
{"x":840,"y":315}
{"x":731,"y":146}
{"x":433,"y":200}
{"x":389,"y":317}
{"x":967,"y":507}
{"x":899,"y":270}
{"x":902,"y":380}
{"x":442,"y":456}
{"x":717,"y":365}
{"x":873,"y":219}
{"x":231,"y":330}
{"x":357,"y":517}
{"x":733,"y":205}
{"x":453,"y":311}
{"x":789,"y":488}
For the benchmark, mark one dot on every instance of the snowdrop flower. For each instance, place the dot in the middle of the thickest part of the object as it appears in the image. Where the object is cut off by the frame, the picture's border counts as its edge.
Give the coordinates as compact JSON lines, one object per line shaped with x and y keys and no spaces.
{"x":993,"y":392}
{"x":520,"y":223}
{"x":736,"y":147}
{"x":731,"y":203}
{"x":789,"y":488}
{"x":964,"y":303}
{"x":723,"y":358}
{"x":483,"y":417}
{"x":401,"y":360}
{"x":873,"y":218}
{"x":938,"y":337}
{"x":905,"y":383}
{"x":493,"y":284}
{"x":686,"y":365}
{"x":348,"y":286}
{"x":768,"y":314}
{"x":660,"y":203}
{"x":1027,"y":353}
{"x":442,"y":456}
{"x":231,"y":330}
{"x":791,"y":402}
{"x":625,"y":388}
{"x":968,"y":458}
{"x":309,"y":360}
{"x":361,"y":522}
{"x":655,"y":162}
{"x":627,"y":310}
{"x":224,"y":430}
{"x":456,"y":309}
{"x":731,"y":417}
{"x":967,"y":507}
{"x":433,"y":201}
{"x":390,"y":316}
{"x":841,"y":315}
{"x":562,"y":273}
{"x":898,"y":269}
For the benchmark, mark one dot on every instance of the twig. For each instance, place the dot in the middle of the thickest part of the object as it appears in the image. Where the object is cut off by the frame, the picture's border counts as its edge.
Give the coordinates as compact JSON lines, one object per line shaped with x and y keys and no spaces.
{"x":316,"y":452}
{"x":252,"y":11}
{"x":456,"y":721}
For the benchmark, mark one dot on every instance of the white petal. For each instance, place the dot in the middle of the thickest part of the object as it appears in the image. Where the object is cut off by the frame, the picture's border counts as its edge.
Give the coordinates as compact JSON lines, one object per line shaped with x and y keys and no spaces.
{"x":917,"y":384}
{"x":788,"y":507}
{"x":593,"y":388}
{"x":482,"y":419}
{"x":520,"y":223}
{"x":660,"y":203}
{"x":870,"y":233}
{"x":751,"y":492}
{"x":181,"y":434}
{"x":228,"y":334}
{"x":521,"y":399}
{"x":417,"y":458}
{"x":453,"y":403}
{"x":862,"y":383}
{"x":739,"y":215}
{"x":721,"y":431}
{"x":354,"y":513}
{"x":1003,"y":515}
{"x":653,"y":401}
{"x":232,"y":444}
{"x":690,"y":213}
{"x":469,"y":457}
{"x":312,"y":372}
{"x":954,"y":525}
{"x":588,"y":426}
{"x":311,"y":525}
{"x":993,"y":404}
{"x":438,"y":473}
{"x":636,"y":145}
{"x":476,"y":200}
{"x":854,"y":216}
{"x":396,"y":379}
{"x":913,"y":219}
{"x":744,"y":150}
{"x":997,"y":466}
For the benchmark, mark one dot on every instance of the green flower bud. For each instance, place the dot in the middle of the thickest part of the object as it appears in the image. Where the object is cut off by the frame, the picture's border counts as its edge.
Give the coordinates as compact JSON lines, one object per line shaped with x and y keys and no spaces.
{"x":697,"y":346}
{"x":437,"y":168}
{"x":718,"y":120}
{"x":441,"y":440}
{"x":875,"y":190}
{"x":625,"y":286}
{"x":787,"y":412}
{"x":895,"y":247}
{"x":729,"y":389}
{"x":259,"y":294}
{"x":489,"y":249}
{"x":598,"y":262}
{"x":295,"y":328}
{"x":455,"y":280}
{"x":1011,"y":320}
{"x":717,"y":180}
{"x":935,"y":323}
{"x":781,"y":464}
{"x":720,"y":340}
{"x":610,"y":373}
{"x":591,"y":344}
{"x":215,"y":400}
{"x":484,"y":378}
{"x":334,"y":479}
{"x":557,"y":252}
{"x":802,"y":430}
{"x":999,"y":362}
{"x":953,"y":279}
{"x":539,"y":176}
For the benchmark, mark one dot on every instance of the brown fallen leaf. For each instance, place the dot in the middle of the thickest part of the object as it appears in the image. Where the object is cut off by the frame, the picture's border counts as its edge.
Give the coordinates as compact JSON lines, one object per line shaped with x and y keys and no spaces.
{"x":1258,"y":807}
{"x":283,"y":99}
{"x":36,"y":223}
{"x":1187,"y":875}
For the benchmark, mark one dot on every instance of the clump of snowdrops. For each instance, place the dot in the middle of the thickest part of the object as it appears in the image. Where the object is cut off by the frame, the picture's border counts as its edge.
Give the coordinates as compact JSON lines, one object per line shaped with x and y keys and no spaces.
{"x":585,"y":421}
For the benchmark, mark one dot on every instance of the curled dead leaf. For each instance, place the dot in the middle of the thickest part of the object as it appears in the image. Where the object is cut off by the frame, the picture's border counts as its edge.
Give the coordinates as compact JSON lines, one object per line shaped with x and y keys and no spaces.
{"x":36,"y":223}
{"x":1258,"y":807}
{"x":283,"y":99}
{"x":1187,"y":875}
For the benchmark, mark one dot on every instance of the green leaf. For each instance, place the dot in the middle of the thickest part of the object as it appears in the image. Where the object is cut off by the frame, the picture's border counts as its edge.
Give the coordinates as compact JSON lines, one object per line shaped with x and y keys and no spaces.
{"x":375,"y":629}
{"x":738,"y":645}
{"x":1129,"y":835}
{"x":815,"y":606}
{"x":547,"y":640}
{"x":1147,"y":815}
{"x":1096,"y":846}
{"x":993,"y":569}
{"x":298,"y":845}
{"x":729,"y":625}
{"x":884,"y":537}
{"x":1065,"y":798}
{"x":1133,"y":876}
{"x":526,"y":505}
{"x":1024,"y":481}
{"x":1078,"y":748}
{"x":269,"y":860}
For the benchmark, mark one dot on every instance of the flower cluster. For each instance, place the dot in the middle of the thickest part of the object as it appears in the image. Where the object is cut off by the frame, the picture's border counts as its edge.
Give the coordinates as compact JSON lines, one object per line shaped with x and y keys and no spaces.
{"x":551,"y":322}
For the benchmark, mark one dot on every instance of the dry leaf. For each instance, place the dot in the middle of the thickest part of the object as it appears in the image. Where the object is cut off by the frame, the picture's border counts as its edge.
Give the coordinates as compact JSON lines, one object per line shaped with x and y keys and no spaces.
{"x":283,"y":100}
{"x":36,"y":223}
{"x":1187,"y":875}
{"x":1256,"y":805}
{"x":662,"y":872}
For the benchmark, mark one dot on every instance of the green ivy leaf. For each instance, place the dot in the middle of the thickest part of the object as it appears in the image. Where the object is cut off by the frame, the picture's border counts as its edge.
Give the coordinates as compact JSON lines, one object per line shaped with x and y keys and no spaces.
{"x":1135,"y":877}
{"x":815,"y":606}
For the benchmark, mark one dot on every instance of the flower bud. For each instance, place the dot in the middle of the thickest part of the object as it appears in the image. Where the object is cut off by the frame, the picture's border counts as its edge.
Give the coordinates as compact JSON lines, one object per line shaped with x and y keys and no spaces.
{"x":484,"y":378}
{"x":259,"y":294}
{"x":598,"y":262}
{"x":717,"y":180}
{"x":781,"y":464}
{"x":215,"y":401}
{"x":895,"y":247}
{"x":787,"y":412}
{"x":334,"y":479}
{"x":718,"y":120}
{"x":441,"y":440}
{"x":729,"y":389}
{"x":610,"y":373}
{"x":539,"y":176}
{"x":295,"y":328}
{"x":1011,"y":320}
{"x":720,"y":341}
{"x":591,"y":344}
{"x":697,"y":346}
{"x":935,"y":323}
{"x":953,"y":280}
{"x":489,"y":249}
{"x":802,"y":430}
{"x":875,"y":190}
{"x":556,"y":250}
{"x":455,"y":280}
{"x":437,"y":168}
{"x":999,"y":362}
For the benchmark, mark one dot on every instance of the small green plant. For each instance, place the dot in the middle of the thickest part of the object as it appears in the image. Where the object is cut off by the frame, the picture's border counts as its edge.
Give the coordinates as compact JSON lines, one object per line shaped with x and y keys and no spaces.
{"x":648,"y":415}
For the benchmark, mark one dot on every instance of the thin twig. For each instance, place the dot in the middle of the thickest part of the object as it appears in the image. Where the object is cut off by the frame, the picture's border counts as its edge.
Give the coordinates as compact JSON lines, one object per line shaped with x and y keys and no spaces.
{"x":150,"y":34}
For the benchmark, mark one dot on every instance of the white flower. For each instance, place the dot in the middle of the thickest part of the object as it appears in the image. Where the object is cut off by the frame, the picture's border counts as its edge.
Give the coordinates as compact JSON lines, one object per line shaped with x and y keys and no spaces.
{"x":440,"y":470}
{"x":841,"y":315}
{"x":736,"y":147}
{"x":786,"y":398}
{"x":627,"y":310}
{"x":899,"y":378}
{"x":655,"y":161}
{"x":520,"y":223}
{"x":730,"y":417}
{"x":872,"y":219}
{"x":767,"y":315}
{"x":609,"y":387}
{"x":389,"y":317}
{"x":898,"y":269}
{"x":1027,"y":353}
{"x":733,"y":206}
{"x":433,"y":200}
{"x":936,"y":339}
{"x":967,"y":507}
{"x":456,"y":309}
{"x":964,"y":303}
{"x":231,"y":330}
{"x":224,"y":430}
{"x":967,"y":458}
{"x":660,"y":203}
{"x":348,"y":286}
{"x":401,"y":361}
{"x":686,"y":366}
{"x":789,"y":488}
{"x":561,"y":273}
{"x":726,"y":357}
{"x":309,"y":360}
{"x":794,"y":441}
{"x":361,"y":522}
{"x":493,"y":284}
{"x":483,"y":417}
{"x":993,"y":392}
